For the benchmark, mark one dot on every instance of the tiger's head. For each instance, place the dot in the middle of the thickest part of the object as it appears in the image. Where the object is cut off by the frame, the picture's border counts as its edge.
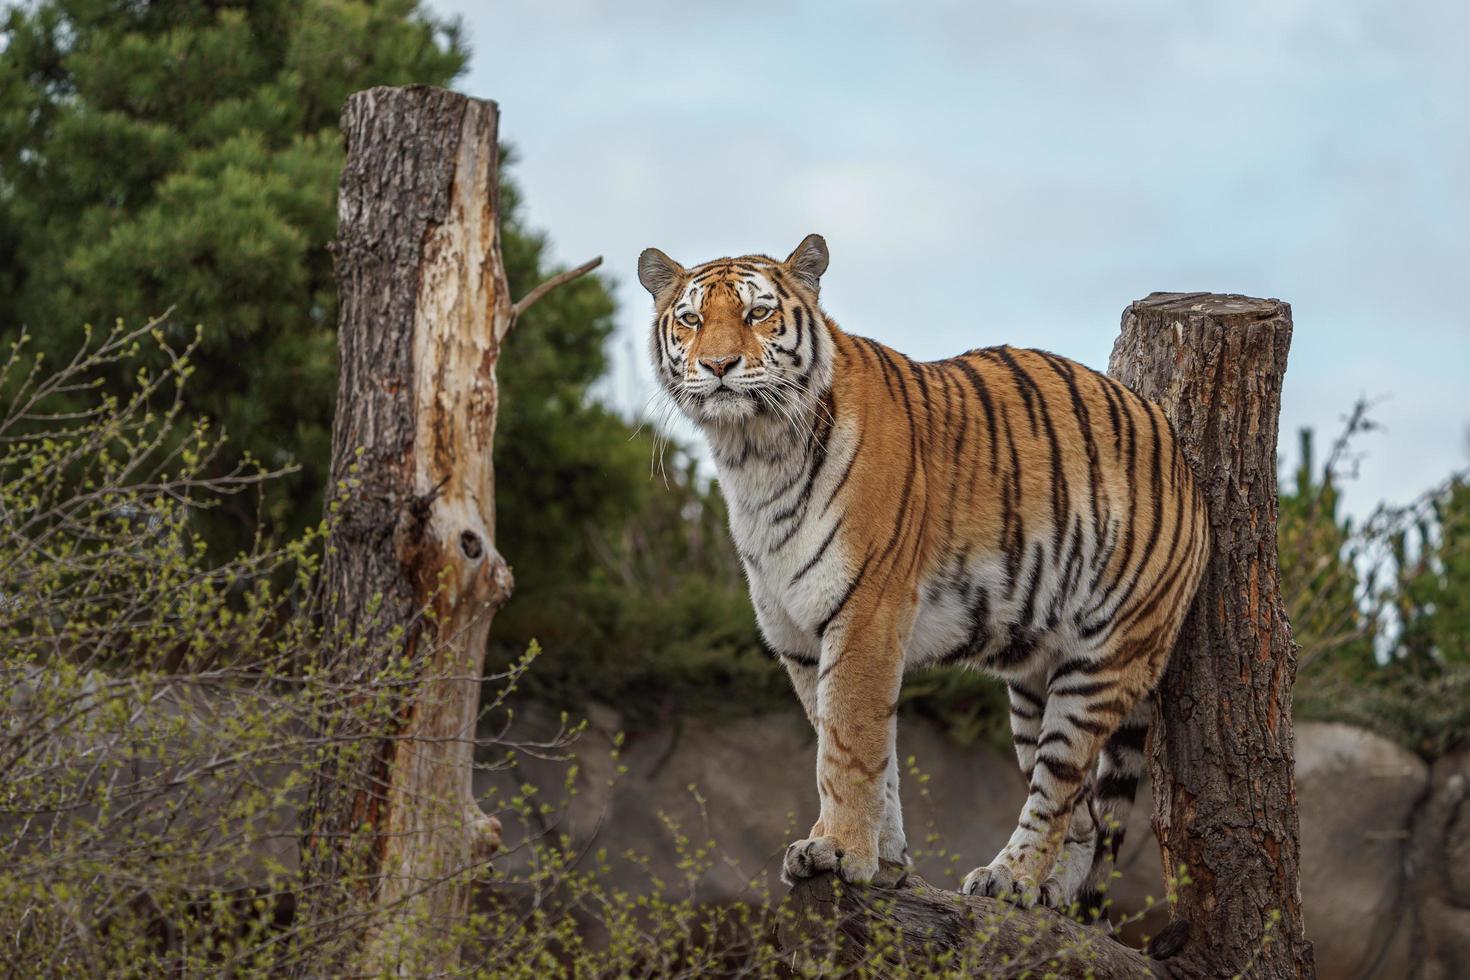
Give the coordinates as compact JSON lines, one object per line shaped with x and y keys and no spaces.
{"x":739,"y":338}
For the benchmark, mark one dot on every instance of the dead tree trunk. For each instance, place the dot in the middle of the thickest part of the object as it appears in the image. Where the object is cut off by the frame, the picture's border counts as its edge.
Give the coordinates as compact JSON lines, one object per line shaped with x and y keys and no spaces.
{"x":1222,"y":750}
{"x":411,"y":576}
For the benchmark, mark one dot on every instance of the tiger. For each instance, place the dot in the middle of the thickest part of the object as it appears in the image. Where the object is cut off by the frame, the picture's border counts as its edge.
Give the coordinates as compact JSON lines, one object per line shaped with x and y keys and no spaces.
{"x":1006,"y":509}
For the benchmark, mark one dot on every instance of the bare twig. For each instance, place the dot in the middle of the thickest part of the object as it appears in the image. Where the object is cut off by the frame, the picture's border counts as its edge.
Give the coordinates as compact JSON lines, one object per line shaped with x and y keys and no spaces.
{"x":561,"y":278}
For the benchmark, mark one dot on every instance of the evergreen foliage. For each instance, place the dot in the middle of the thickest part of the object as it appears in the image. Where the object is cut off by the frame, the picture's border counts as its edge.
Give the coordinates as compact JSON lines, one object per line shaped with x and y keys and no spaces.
{"x":1320,"y":583}
{"x":185,"y":155}
{"x":1380,"y":610}
{"x":1433,"y":591}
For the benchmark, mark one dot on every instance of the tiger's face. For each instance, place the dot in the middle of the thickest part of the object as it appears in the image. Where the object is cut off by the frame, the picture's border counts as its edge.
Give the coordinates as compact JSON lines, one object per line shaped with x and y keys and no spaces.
{"x":736,"y":339}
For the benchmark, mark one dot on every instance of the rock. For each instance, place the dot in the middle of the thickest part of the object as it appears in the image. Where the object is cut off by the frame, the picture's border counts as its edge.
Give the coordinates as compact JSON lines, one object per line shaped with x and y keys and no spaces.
{"x":1440,"y":865}
{"x":748,"y":785}
{"x":968,"y":804}
{"x":1140,"y":898}
{"x":1357,"y":794}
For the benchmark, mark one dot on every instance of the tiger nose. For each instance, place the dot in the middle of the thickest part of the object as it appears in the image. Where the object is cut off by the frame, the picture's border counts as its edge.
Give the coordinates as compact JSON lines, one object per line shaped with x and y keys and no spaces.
{"x":719,"y":365}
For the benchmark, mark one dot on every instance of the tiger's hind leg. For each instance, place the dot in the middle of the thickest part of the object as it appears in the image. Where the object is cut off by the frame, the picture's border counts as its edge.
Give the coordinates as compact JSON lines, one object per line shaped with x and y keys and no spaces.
{"x":1119,"y":769}
{"x":1061,"y":887}
{"x":1027,"y":702}
{"x":1081,"y":707}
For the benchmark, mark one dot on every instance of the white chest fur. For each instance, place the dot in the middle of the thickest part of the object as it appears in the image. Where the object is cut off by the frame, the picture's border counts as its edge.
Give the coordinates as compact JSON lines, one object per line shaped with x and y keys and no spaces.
{"x":786,"y":526}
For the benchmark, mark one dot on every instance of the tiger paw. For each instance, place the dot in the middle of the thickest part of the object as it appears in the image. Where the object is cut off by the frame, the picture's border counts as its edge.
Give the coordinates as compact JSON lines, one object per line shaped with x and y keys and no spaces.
{"x":891,"y":874}
{"x":997,"y":881}
{"x":1052,"y":894}
{"x":815,"y":855}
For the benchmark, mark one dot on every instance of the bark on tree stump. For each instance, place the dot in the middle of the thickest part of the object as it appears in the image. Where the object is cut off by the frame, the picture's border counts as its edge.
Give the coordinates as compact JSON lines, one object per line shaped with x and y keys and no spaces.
{"x":1221,"y":747}
{"x":411,"y":576}
{"x":1222,"y":754}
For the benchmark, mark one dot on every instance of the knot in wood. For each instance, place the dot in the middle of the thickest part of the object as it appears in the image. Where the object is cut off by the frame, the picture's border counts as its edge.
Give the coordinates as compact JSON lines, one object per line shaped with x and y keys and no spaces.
{"x":469,"y":543}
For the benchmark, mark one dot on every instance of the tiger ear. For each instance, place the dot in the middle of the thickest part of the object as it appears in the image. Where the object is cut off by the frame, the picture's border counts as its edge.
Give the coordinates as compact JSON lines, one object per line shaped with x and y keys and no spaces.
{"x":809,"y":260}
{"x":657,"y":271}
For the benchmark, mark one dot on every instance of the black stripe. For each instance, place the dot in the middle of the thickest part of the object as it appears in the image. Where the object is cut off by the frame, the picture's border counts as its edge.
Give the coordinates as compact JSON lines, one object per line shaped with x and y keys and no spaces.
{"x":1125,"y":399}
{"x":821,"y":550}
{"x":1012,"y":542}
{"x":842,"y":481}
{"x":1060,"y":491}
{"x":1084,"y":424}
{"x":1114,"y":786}
{"x":1114,"y":415}
{"x":800,"y":506}
{"x":1071,"y":575}
{"x":978,"y":383}
{"x":846,"y":596}
{"x":1061,"y":770}
{"x":1024,"y":381}
{"x":917,"y":370}
{"x":1112,"y":706}
{"x":1076,"y":665}
{"x":1017,"y":650}
{"x":1164,"y":587}
{"x":1026,"y":695}
{"x":979,"y":632}
{"x":1108,"y":622}
{"x":1087,"y":725}
{"x":1081,"y":690}
{"x":1129,"y":737}
{"x":885,"y":364}
{"x":1033,"y":585}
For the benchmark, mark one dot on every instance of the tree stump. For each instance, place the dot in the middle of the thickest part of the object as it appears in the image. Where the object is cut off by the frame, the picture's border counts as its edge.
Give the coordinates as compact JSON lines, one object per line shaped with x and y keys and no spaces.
{"x":1221,"y":747}
{"x":1222,"y":754}
{"x":412,"y":576}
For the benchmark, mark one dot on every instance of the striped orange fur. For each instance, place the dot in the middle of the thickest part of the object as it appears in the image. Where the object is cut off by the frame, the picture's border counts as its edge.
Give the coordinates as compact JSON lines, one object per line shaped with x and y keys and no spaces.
{"x":1007,"y":509}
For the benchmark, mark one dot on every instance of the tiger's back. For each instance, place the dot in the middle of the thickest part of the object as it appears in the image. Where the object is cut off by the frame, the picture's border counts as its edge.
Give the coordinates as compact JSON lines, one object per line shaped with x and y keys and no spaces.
{"x":1051,"y":505}
{"x":1008,"y":509}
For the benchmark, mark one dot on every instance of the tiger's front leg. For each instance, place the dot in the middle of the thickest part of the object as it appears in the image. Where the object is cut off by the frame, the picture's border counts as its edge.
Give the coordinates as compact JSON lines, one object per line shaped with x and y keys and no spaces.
{"x":857,"y":696}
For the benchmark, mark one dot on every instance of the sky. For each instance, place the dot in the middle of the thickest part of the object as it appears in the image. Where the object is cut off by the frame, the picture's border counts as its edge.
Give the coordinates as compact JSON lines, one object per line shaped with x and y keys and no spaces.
{"x":1018,"y":172}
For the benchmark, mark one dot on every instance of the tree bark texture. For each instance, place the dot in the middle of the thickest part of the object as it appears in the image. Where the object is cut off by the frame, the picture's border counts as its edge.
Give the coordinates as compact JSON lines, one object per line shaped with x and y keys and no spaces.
{"x":1221,"y":746}
{"x":1221,"y":749}
{"x":412,"y":576}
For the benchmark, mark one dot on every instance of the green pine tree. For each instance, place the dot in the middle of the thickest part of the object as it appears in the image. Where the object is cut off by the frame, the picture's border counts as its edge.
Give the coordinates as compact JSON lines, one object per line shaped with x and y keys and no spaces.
{"x":1433,"y":595}
{"x":186,"y":155}
{"x":1319,"y":580}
